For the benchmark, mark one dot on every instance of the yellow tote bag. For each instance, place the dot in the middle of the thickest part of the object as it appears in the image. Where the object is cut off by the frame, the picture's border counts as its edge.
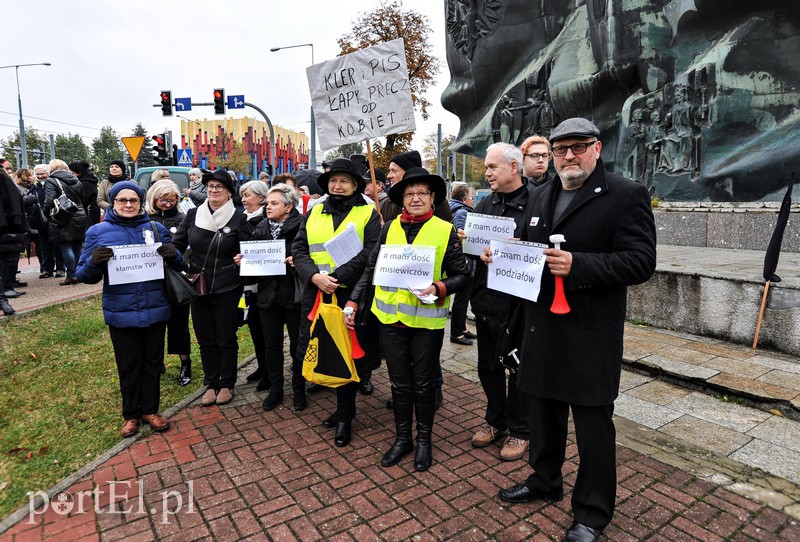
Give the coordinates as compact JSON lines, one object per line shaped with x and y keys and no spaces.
{"x":329,"y":356}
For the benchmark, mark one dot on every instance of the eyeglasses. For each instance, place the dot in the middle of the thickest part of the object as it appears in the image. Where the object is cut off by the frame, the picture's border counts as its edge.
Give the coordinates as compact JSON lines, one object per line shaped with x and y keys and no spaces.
{"x":539,"y":155}
{"x":126,"y":201}
{"x":412,"y":195}
{"x":167,"y":201}
{"x":576,"y":148}
{"x":215,"y":188}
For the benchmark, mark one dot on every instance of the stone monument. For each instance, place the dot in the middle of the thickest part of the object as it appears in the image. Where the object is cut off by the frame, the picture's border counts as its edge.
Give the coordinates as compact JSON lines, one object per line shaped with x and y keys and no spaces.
{"x":697,"y":99}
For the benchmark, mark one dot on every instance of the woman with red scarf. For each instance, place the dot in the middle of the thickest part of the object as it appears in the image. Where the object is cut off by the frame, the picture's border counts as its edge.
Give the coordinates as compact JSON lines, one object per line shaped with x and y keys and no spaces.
{"x":413,"y":322}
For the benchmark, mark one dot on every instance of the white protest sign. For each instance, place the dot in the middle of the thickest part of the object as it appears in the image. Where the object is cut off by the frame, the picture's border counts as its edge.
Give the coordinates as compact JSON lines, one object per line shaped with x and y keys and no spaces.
{"x":345,"y":246}
{"x":363,"y":95}
{"x":480,"y":229}
{"x":516,"y":268}
{"x":263,"y":258}
{"x":135,"y":263}
{"x":404,"y":266}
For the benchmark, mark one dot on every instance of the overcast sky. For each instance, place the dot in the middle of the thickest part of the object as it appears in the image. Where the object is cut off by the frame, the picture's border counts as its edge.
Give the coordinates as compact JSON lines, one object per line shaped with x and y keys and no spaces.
{"x":111,"y":59}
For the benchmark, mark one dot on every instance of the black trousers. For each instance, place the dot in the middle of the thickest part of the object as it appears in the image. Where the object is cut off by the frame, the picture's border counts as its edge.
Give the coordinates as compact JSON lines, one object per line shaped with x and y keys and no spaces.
{"x":506,"y":406}
{"x":596,"y":484}
{"x":458,"y":313}
{"x":273,"y":321}
{"x":215,"y":318}
{"x":256,"y":332}
{"x":412,"y":355}
{"x":178,"y":339}
{"x":139,"y":352}
{"x":49,"y":254}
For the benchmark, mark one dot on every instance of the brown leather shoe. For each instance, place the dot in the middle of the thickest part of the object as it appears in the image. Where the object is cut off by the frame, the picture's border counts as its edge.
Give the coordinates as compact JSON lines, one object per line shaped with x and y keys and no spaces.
{"x":209,"y":397}
{"x":130,"y":428}
{"x":224,"y":396}
{"x":156,"y":421}
{"x":513,"y":448}
{"x":487,"y":435}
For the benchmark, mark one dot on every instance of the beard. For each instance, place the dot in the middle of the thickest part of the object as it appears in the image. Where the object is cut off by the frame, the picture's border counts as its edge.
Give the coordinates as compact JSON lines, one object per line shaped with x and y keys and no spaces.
{"x":573,"y":178}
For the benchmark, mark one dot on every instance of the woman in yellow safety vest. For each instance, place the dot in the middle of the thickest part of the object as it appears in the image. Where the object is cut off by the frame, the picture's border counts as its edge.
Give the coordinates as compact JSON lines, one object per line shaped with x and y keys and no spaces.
{"x":318,"y":273}
{"x":411,"y":331}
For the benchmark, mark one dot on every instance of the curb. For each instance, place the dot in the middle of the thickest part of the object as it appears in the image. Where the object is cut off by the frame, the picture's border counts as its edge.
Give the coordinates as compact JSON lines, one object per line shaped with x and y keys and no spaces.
{"x":16,"y":516}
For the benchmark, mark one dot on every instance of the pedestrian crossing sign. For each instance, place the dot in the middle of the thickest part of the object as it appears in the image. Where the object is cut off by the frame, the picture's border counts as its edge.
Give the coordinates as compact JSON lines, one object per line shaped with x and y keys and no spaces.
{"x":185,"y":157}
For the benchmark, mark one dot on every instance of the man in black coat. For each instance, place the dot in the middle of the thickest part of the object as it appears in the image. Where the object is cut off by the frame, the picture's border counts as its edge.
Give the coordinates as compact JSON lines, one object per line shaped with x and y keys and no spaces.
{"x":505,"y":417}
{"x":573,"y":361}
{"x":12,"y":236}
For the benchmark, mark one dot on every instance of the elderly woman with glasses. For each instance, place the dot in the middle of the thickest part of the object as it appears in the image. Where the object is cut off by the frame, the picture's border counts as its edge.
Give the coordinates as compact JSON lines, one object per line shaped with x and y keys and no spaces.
{"x":136,"y":312}
{"x":412,"y":324}
{"x":214,"y":230}
{"x":162,"y":206}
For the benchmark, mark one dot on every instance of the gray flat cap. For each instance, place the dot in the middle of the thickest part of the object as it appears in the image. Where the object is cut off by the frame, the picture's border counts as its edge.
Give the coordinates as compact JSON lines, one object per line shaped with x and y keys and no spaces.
{"x":574,"y":127}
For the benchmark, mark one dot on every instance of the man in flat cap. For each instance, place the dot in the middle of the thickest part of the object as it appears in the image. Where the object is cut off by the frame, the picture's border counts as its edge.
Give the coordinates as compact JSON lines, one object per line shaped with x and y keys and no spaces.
{"x":573,"y":361}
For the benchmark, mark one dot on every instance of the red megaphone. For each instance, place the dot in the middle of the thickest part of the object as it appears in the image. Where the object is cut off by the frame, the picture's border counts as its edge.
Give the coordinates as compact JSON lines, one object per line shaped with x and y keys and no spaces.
{"x":560,"y":305}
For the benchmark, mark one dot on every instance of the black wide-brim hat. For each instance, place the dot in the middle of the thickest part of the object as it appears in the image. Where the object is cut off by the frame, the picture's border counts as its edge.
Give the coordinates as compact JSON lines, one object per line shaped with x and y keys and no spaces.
{"x":418,"y":175}
{"x":342,"y":165}
{"x":222,"y":176}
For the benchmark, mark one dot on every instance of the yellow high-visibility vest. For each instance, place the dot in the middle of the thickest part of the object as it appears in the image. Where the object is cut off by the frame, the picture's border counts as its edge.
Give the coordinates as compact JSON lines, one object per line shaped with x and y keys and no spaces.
{"x":319,"y":230}
{"x":393,"y":305}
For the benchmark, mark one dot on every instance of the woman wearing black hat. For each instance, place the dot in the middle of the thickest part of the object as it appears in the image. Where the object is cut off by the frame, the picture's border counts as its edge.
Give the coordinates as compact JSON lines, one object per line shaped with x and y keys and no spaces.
{"x":116,"y":172}
{"x":411,"y":332}
{"x":214,"y":230}
{"x":344,"y":205}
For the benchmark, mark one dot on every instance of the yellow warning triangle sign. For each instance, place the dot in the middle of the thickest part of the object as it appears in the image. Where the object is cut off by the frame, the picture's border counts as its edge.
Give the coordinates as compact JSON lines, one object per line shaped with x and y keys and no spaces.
{"x":134,"y":145}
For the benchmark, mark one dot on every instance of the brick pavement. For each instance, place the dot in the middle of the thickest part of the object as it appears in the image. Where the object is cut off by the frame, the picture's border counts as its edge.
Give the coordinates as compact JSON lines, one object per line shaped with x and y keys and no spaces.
{"x":258,"y":475}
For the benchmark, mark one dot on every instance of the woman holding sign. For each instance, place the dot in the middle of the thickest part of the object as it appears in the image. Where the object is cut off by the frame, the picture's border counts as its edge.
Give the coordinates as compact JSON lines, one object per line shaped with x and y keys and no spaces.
{"x":319,"y":272}
{"x":416,"y":266}
{"x":136,"y":312}
{"x":278,"y":296}
{"x":214,"y":230}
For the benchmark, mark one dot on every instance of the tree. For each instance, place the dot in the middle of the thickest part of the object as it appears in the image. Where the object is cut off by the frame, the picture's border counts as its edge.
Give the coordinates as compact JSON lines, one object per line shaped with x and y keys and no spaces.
{"x":474,"y":169}
{"x":344,"y":151}
{"x":387,"y":22}
{"x":33,"y":145}
{"x":234,"y":159}
{"x":146,"y":158}
{"x":71,"y":148}
{"x":106,"y":148}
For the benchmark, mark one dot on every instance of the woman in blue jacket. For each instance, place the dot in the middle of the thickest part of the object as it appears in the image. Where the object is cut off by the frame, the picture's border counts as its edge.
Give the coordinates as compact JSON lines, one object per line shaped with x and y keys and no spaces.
{"x":136,"y":313}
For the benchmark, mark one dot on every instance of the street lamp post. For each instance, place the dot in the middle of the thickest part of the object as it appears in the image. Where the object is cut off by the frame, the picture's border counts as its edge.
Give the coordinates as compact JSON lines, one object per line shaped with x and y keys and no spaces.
{"x":312,"y":157}
{"x":23,"y":148}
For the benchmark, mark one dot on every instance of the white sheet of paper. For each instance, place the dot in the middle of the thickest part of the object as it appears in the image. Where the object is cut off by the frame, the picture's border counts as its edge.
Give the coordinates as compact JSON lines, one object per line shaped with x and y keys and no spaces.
{"x":516,"y":268}
{"x":480,"y":229}
{"x":186,"y":204}
{"x":404,"y":266}
{"x":345,"y":246}
{"x":135,"y":263}
{"x":263,"y":258}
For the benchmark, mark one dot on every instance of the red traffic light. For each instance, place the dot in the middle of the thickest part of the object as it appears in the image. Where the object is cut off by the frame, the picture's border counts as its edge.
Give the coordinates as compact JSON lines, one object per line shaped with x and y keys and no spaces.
{"x":159,"y":140}
{"x":166,"y":103}
{"x":219,"y":101}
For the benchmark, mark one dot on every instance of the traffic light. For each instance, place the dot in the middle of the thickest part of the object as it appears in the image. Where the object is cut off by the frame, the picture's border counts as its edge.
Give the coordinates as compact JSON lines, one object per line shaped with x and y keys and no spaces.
{"x":160,"y":150}
{"x":219,"y":101}
{"x":166,"y":103}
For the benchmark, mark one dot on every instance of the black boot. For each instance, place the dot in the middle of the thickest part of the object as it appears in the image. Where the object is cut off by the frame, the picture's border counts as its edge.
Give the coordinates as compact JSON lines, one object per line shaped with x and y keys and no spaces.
{"x":343,"y":433}
{"x":8,"y":310}
{"x":263,"y":384}
{"x":424,"y":407}
{"x":299,"y":401}
{"x":365,"y":386}
{"x":186,"y":372}
{"x":403,"y":444}
{"x":274,"y":398}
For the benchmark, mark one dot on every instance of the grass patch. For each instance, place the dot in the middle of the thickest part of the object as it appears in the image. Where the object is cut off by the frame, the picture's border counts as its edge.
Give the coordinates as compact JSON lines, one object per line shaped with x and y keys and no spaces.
{"x":61,"y":406}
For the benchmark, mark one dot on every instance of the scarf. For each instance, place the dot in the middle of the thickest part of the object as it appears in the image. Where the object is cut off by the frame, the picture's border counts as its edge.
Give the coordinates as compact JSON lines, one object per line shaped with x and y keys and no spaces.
{"x":257,"y":212}
{"x":115,"y":178}
{"x":406,"y":218}
{"x":275,"y":228}
{"x":214,"y":222}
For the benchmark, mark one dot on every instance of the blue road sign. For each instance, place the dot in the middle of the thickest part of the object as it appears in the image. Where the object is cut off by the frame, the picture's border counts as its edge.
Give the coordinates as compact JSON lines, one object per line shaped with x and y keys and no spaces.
{"x":183,"y":104}
{"x":185,"y":157}
{"x":236,"y":102}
